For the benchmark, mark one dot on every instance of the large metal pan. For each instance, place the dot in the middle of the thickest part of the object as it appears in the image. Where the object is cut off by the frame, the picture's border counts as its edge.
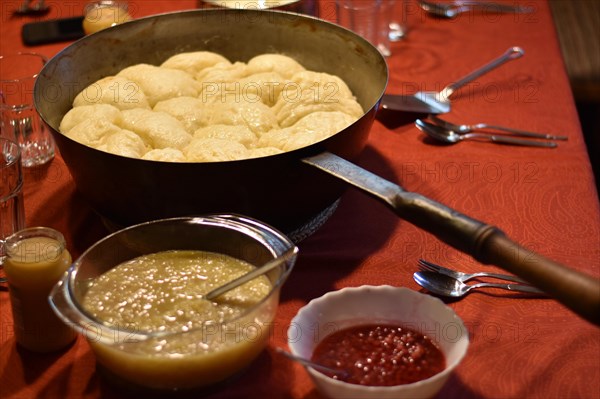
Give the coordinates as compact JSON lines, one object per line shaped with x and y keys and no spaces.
{"x":278,"y":190}
{"x":285,"y":190}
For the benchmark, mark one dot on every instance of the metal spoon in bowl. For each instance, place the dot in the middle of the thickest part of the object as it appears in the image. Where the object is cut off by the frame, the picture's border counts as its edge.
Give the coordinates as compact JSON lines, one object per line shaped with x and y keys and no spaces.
{"x":431,"y":102}
{"x":270,"y":265}
{"x":451,"y":137}
{"x":310,"y":363}
{"x":444,"y":285}
{"x":477,"y":126}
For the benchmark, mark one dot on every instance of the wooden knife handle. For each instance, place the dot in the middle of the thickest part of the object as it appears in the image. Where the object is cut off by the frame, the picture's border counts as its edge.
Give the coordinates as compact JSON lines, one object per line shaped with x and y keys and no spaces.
{"x":577,"y":291}
{"x":487,"y":244}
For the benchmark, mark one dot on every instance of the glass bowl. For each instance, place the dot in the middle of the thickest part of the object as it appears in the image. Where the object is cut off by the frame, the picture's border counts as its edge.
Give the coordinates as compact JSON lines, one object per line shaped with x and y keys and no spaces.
{"x":378,"y":305}
{"x":204,"y":355}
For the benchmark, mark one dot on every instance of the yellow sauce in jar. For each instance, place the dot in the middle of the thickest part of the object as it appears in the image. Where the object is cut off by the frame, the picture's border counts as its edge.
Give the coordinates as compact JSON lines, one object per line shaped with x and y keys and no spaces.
{"x":163,"y":293}
{"x":104,"y":14}
{"x":33,"y":266}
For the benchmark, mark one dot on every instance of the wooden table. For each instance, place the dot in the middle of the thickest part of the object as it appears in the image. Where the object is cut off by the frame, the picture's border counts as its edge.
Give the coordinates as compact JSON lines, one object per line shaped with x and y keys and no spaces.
{"x":544,"y":199}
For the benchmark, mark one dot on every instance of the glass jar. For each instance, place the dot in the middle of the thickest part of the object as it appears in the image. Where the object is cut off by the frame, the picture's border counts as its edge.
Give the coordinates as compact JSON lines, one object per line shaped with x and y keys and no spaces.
{"x":99,"y":15}
{"x":36,"y":259}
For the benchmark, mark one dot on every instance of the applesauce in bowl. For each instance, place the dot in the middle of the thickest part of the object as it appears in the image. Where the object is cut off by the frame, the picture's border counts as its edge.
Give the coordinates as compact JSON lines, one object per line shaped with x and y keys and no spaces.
{"x":137,"y":296}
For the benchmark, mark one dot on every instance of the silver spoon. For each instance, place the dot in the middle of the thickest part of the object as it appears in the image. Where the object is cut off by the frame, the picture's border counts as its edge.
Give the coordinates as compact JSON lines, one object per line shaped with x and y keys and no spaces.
{"x":451,"y":137}
{"x":453,"y":9}
{"x":477,"y":126}
{"x":431,"y":102}
{"x":310,"y":363}
{"x":444,"y":285}
{"x":464,"y":277}
{"x":270,"y":265}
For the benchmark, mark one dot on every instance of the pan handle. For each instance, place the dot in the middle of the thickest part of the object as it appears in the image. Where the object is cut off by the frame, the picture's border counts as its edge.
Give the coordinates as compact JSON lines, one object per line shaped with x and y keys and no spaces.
{"x":486,"y":243}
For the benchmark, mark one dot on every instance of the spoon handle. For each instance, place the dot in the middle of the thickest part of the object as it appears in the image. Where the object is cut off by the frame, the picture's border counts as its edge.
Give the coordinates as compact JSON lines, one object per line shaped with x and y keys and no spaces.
{"x":510,"y":54}
{"x":309,"y":363}
{"x":509,"y":140}
{"x":519,"y":132}
{"x":270,"y":265}
{"x":509,"y":287}
{"x":495,"y":7}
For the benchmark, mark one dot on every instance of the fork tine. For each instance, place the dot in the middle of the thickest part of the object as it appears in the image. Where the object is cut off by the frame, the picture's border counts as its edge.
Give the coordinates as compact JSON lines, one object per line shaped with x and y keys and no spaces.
{"x":425,"y":267}
{"x":431,"y":266}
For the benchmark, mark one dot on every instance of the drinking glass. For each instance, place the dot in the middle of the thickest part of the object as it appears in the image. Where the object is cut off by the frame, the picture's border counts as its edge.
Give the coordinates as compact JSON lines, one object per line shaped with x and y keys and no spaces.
{"x":12,"y":213}
{"x":20,"y":121}
{"x":369,"y":19}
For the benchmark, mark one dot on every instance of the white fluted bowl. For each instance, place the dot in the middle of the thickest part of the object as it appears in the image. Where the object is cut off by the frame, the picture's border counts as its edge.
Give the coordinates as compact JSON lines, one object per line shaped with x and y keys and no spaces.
{"x":378,"y":305}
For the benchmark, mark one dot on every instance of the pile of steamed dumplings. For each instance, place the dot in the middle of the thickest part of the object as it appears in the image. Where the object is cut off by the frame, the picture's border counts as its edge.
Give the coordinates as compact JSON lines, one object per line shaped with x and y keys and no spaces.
{"x":200,"y":107}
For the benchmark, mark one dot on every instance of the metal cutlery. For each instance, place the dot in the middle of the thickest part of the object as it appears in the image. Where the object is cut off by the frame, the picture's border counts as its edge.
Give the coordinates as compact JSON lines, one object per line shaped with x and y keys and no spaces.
{"x":479,"y":126}
{"x":453,"y":9}
{"x":464,"y":277}
{"x":431,"y":102}
{"x":441,"y":284}
{"x":310,"y":363}
{"x":27,"y":7}
{"x":259,"y":271}
{"x":451,"y":137}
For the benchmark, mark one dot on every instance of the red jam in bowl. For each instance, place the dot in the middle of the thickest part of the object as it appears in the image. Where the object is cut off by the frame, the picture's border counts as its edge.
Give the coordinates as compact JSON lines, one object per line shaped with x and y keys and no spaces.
{"x":380,"y":355}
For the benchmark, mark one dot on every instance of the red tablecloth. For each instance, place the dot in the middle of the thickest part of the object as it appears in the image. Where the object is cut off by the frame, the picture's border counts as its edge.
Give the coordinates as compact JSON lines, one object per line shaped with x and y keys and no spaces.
{"x":544,"y":199}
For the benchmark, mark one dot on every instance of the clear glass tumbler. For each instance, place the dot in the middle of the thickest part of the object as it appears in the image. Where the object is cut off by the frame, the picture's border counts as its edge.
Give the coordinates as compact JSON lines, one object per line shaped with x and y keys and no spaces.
{"x":20,"y":120}
{"x":369,"y":19}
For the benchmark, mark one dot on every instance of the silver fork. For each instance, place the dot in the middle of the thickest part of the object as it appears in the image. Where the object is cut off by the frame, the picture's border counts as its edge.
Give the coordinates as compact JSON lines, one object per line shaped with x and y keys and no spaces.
{"x":462,"y":277}
{"x":478,"y":126}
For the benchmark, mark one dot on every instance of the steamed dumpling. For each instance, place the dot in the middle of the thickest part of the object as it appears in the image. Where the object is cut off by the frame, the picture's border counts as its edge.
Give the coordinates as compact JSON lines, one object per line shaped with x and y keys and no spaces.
{"x":330,"y":87}
{"x":241,"y":134}
{"x":262,"y":87}
{"x":214,"y":150}
{"x":281,"y":64}
{"x":194,"y":62}
{"x":310,"y":92}
{"x":158,"y":129}
{"x":161,"y":83}
{"x":316,"y":127}
{"x":119,"y":91}
{"x":125,"y":143}
{"x":92,"y":132}
{"x":187,"y":110}
{"x":165,"y":155}
{"x":223,"y":72}
{"x":90,"y":112}
{"x":308,"y":130}
{"x":105,"y":136}
{"x":326,"y":122}
{"x":290,"y":112}
{"x":257,"y":117}
{"x":265,"y":86}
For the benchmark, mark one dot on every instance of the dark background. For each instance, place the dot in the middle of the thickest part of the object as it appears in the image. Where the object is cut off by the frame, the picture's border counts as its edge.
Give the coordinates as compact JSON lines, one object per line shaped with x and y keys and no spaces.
{"x":578,"y":23}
